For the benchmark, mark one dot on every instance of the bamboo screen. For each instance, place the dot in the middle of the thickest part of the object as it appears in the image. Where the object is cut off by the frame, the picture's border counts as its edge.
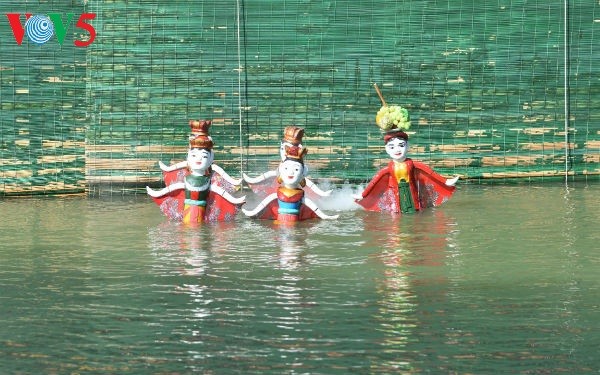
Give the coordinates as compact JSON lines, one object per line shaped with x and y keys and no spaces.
{"x":496,"y":89}
{"x":43,"y":108}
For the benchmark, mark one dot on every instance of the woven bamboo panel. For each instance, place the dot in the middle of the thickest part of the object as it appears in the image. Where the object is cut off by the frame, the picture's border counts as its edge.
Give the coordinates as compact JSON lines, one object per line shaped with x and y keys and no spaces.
{"x":484,"y":83}
{"x":43,"y":108}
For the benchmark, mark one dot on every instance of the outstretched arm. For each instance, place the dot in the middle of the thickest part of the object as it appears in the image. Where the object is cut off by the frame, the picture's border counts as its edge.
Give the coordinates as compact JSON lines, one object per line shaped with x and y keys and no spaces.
{"x":261,"y":206}
{"x":174,"y":167}
{"x":259,"y":179}
{"x":310,"y":204}
{"x":312,"y":186}
{"x":219,"y":190}
{"x":164,"y":191}
{"x":434,"y":175}
{"x":228,"y":178}
{"x":383,"y":173}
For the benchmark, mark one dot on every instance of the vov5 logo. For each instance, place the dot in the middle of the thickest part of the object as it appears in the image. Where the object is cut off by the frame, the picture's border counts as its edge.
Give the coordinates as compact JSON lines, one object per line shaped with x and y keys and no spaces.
{"x":40,"y":28}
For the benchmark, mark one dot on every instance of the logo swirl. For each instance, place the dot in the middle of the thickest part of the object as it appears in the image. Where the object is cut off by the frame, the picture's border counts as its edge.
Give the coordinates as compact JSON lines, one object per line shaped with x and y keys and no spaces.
{"x":39,"y":29}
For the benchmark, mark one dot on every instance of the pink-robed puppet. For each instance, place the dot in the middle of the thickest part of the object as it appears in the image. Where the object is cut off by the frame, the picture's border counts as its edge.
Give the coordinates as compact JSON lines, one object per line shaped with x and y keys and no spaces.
{"x":197,"y":190}
{"x":289,"y":202}
{"x":404,"y":185}
{"x":268,"y":183}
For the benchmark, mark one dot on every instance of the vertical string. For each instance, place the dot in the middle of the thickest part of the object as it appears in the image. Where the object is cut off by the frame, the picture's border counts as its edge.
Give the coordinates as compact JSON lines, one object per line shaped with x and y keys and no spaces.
{"x":239,"y":52}
{"x":566,"y":88}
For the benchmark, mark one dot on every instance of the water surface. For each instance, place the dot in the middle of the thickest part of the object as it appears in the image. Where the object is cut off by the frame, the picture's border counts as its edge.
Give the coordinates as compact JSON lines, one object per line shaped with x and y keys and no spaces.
{"x":501,"y":279}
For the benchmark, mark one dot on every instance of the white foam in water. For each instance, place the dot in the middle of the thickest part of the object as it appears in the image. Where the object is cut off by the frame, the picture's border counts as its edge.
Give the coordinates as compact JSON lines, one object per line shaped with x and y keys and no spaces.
{"x":341,"y":198}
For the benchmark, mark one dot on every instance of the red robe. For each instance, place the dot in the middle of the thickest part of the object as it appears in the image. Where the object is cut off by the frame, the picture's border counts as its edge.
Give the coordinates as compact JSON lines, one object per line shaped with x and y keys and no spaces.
{"x":428,"y":188}
{"x":271,"y":211}
{"x":217,"y":208}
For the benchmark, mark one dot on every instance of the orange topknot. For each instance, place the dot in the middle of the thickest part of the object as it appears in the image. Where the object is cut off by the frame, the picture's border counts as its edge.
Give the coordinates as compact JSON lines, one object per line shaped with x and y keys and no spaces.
{"x":293,"y":134}
{"x":200,"y":127}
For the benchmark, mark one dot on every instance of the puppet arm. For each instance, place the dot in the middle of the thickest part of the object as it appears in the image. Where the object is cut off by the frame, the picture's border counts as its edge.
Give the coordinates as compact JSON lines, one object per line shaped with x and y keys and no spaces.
{"x":427,"y":169}
{"x":164,"y":191}
{"x":259,"y":179}
{"x":228,"y":178}
{"x":310,"y":204}
{"x":451,"y":181}
{"x":312,"y":186}
{"x":219,"y":190}
{"x":174,"y":167}
{"x":261,"y":206}
{"x":382,"y":173}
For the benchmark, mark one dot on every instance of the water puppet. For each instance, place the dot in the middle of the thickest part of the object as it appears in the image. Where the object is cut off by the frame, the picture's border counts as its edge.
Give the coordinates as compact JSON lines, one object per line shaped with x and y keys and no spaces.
{"x":197,"y":190}
{"x":404,"y":185}
{"x":289,"y":203}
{"x":267,"y":183}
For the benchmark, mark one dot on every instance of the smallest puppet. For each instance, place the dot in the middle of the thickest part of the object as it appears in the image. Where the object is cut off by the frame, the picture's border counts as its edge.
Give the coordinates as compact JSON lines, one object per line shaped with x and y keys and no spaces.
{"x":267,"y":182}
{"x":289,"y":203}
{"x":405,"y":185}
{"x":197,"y":190}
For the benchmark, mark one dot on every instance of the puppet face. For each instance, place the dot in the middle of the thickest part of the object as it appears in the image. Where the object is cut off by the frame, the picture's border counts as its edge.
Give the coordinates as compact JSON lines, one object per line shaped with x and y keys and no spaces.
{"x":199,"y":159}
{"x":291,"y":172}
{"x":396,"y":148}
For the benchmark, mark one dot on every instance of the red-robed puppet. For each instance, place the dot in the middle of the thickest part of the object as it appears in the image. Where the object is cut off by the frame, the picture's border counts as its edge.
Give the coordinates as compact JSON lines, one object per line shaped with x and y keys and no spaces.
{"x":197,"y":190}
{"x":289,"y":203}
{"x":267,"y":183}
{"x":405,"y":185}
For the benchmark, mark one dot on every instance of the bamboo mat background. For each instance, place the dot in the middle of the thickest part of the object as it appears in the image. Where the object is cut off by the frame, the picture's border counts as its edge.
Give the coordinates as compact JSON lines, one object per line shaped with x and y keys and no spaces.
{"x":483,"y":81}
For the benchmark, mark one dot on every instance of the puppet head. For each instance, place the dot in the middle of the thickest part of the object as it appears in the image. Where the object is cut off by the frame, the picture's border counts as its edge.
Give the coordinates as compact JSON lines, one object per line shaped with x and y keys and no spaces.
{"x":200,"y":154}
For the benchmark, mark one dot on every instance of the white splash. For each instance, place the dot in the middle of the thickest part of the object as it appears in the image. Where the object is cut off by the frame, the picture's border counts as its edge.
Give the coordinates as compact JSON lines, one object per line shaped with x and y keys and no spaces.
{"x":341,"y":198}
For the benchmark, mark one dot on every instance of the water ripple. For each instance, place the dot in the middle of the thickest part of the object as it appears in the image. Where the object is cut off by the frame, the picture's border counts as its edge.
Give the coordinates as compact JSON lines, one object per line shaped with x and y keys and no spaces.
{"x":500,"y":279}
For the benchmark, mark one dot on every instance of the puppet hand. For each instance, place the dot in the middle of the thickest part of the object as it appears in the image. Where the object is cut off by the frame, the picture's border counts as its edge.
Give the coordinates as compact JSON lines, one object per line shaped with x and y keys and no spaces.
{"x":451,"y":181}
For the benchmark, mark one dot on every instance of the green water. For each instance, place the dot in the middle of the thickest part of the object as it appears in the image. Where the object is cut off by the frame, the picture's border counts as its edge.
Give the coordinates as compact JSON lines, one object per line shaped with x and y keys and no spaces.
{"x":501,"y":279}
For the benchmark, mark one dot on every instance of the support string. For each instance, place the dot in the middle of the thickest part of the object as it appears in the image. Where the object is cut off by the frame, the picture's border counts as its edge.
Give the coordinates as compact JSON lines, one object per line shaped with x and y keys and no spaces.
{"x":566,"y":89}
{"x":240,"y":109}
